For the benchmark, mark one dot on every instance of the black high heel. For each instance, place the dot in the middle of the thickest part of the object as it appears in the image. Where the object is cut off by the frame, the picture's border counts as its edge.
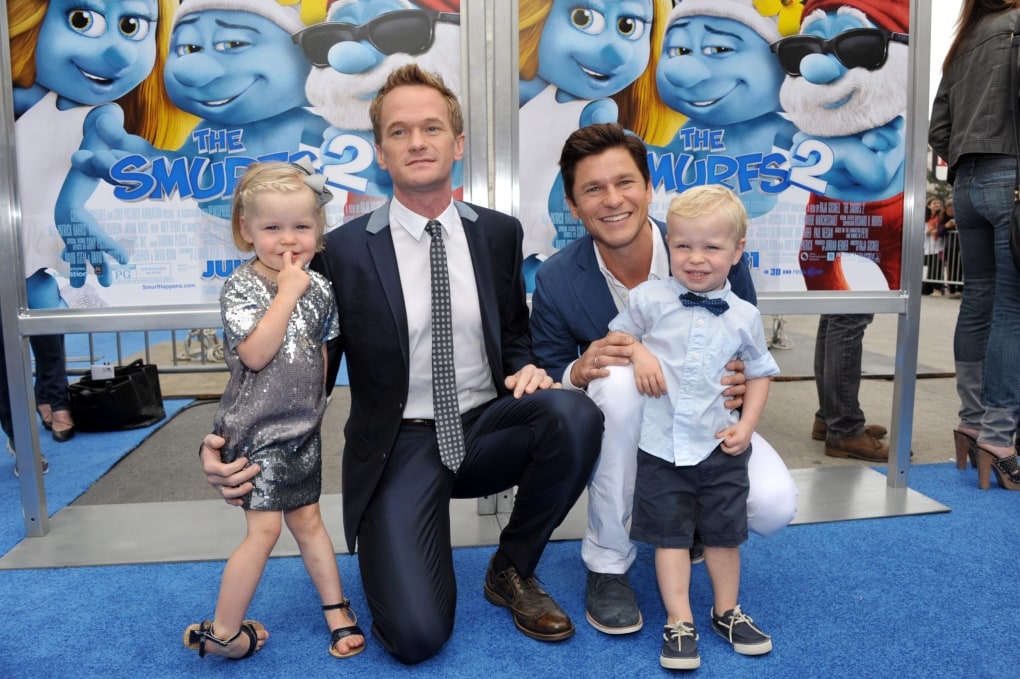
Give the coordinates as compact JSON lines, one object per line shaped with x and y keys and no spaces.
{"x":1007,"y":469}
{"x":965,"y":444}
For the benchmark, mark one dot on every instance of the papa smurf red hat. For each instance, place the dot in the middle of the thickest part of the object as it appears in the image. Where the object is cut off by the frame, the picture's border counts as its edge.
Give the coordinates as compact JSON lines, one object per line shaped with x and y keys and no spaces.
{"x":892,"y":15}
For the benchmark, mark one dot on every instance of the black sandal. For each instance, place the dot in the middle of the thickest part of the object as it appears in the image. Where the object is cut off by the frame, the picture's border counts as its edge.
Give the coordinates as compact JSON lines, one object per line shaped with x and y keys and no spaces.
{"x":344,"y":632}
{"x":195,"y":637}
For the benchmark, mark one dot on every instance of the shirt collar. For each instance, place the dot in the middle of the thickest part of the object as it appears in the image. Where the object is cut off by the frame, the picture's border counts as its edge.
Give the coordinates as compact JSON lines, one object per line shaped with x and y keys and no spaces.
{"x":711,"y":294}
{"x":414,"y":224}
{"x":660,"y":258}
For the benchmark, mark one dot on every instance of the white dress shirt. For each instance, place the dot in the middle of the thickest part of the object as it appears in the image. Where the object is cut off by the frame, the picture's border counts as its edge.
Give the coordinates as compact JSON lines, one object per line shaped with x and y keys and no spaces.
{"x":412,"y":244}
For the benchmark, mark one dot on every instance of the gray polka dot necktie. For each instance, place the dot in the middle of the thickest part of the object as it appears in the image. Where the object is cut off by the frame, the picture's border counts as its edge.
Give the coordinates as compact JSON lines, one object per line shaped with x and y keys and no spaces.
{"x":449,"y":429}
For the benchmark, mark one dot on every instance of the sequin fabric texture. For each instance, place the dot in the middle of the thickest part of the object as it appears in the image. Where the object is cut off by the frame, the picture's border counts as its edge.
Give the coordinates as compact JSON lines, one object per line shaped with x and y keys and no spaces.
{"x":272,"y":416}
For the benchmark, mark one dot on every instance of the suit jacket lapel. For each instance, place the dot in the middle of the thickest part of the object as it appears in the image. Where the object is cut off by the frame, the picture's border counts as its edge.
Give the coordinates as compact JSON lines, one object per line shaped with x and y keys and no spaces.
{"x":488,"y":302}
{"x":591,"y":291}
{"x":384,"y":258}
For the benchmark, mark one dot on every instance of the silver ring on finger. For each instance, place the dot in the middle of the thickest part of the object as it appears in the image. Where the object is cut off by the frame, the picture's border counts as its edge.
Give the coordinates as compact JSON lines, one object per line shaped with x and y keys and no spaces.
{"x":596,"y":361}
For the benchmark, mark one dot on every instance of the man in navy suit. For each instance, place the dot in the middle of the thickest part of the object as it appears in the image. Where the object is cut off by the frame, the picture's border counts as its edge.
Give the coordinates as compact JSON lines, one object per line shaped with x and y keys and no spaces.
{"x":578,"y":291}
{"x":516,"y":430}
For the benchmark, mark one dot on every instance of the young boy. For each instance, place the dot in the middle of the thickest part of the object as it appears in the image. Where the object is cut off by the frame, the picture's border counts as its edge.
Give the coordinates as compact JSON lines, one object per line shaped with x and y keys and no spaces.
{"x":692,"y":462}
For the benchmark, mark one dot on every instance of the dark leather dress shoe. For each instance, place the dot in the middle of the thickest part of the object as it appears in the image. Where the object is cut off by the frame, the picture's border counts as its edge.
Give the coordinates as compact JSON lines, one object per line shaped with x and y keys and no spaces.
{"x":534,"y":611}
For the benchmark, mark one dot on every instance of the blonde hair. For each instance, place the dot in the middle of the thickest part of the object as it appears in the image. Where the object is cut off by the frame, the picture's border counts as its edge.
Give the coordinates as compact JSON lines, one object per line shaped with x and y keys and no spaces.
{"x":263,"y":178}
{"x":148,"y":111}
{"x":531,"y":16}
{"x":642,"y":110}
{"x":709,"y":199}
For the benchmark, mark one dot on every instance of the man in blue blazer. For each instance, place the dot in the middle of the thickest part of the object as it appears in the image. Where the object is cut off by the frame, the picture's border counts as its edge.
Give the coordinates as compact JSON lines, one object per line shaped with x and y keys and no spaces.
{"x":517,"y":431}
{"x":578,"y":291}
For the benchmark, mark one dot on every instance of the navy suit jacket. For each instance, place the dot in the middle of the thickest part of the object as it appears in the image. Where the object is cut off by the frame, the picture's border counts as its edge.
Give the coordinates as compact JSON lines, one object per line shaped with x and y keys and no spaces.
{"x":361,"y":263}
{"x":572,"y":306}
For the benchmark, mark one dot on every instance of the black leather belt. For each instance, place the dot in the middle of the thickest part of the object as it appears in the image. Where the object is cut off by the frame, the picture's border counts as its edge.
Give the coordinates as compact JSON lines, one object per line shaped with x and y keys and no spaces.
{"x":419,"y":422}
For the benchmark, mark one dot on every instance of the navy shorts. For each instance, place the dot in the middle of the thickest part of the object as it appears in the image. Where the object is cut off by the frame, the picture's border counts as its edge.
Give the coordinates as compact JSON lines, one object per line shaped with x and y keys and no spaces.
{"x":671,"y":502}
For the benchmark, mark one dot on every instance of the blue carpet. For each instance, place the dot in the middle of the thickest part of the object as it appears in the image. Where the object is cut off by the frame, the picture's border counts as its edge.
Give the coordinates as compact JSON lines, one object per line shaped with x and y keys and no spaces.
{"x":74,"y":466}
{"x":918,"y":596}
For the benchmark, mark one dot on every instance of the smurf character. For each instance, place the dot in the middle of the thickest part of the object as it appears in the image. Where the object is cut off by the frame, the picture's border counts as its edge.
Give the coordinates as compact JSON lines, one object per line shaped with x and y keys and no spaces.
{"x":716,"y":69}
{"x":233,"y":65}
{"x":583,"y":52}
{"x":67,"y":58}
{"x":351,"y":54}
{"x":581,"y":63}
{"x":71,"y":59}
{"x":846,"y":90}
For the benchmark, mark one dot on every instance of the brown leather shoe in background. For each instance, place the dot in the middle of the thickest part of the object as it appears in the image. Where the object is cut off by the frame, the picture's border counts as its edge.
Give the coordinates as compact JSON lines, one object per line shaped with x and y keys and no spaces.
{"x":863,"y":447}
{"x":819,"y":430}
{"x":535,"y":613}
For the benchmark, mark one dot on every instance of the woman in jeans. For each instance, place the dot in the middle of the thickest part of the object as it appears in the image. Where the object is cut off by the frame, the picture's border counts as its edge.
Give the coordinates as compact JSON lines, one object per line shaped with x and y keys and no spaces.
{"x":972,"y":128}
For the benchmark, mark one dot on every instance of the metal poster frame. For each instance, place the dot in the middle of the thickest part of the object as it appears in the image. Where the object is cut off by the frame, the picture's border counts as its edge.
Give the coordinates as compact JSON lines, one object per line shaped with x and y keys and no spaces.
{"x":20,"y":323}
{"x":905,"y":303}
{"x":489,"y":96}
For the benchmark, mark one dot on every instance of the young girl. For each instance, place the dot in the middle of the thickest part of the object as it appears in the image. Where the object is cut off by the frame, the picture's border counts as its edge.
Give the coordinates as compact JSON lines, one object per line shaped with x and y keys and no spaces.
{"x":277,"y":315}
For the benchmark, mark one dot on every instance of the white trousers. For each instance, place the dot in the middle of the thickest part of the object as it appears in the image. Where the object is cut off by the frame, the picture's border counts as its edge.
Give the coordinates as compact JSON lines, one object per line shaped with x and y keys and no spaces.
{"x":606,"y":547}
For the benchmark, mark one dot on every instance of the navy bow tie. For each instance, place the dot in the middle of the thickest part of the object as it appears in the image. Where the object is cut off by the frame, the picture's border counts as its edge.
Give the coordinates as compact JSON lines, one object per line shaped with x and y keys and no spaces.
{"x":716,"y":306}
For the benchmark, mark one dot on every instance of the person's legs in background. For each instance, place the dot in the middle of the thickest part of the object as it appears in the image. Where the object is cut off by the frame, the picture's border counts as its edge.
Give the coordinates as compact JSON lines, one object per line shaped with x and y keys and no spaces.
{"x":5,"y":398}
{"x":989,"y":315}
{"x":6,"y":421}
{"x":974,"y":321}
{"x":839,"y":346}
{"x":50,"y":361}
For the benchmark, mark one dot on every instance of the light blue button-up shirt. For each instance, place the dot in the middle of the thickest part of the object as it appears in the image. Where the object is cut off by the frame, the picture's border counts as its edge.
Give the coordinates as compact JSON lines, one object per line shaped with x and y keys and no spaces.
{"x":693,"y":346}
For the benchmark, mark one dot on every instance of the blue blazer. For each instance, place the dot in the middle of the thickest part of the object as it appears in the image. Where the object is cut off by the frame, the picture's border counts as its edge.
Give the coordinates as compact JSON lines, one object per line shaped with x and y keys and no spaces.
{"x":572,"y":306}
{"x":361,"y":263}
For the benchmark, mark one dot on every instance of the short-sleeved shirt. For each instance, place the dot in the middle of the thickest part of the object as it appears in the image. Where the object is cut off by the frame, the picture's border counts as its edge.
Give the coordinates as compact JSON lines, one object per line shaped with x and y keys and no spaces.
{"x":693,"y":346}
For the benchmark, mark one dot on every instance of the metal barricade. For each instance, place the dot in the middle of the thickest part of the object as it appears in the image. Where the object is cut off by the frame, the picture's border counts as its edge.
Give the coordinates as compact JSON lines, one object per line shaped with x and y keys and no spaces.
{"x":192,"y":350}
{"x":945,"y":272}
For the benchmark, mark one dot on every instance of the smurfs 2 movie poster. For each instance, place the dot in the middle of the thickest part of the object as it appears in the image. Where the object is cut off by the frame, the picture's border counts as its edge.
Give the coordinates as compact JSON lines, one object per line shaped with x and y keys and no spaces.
{"x":134,"y":128}
{"x":797,"y":106}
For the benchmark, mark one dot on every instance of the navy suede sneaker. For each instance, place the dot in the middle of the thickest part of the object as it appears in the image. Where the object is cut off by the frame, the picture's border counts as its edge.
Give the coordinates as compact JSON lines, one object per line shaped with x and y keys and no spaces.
{"x":737,"y":628}
{"x":680,"y":647}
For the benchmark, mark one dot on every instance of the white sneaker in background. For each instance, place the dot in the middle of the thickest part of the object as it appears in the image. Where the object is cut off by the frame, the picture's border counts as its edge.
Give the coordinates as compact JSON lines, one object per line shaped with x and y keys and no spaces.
{"x":10,"y":449}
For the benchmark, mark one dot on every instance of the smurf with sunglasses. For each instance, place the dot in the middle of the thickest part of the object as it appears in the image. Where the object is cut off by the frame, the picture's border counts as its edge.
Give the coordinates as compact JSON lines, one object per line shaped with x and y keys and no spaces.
{"x":846,"y":90}
{"x":351,"y":54}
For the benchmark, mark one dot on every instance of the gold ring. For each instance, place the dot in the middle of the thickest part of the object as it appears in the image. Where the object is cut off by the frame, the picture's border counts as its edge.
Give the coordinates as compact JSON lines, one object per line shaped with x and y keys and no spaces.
{"x":596,"y":361}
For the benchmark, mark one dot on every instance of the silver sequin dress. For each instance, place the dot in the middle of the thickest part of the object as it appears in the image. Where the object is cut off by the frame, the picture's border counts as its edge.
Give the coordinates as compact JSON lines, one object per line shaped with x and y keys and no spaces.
{"x":272,"y":416}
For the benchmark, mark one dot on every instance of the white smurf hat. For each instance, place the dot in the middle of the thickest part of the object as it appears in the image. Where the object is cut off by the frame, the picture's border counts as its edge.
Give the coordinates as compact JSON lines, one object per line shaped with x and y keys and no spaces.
{"x":738,"y":10}
{"x":287,"y":18}
{"x":334,"y":7}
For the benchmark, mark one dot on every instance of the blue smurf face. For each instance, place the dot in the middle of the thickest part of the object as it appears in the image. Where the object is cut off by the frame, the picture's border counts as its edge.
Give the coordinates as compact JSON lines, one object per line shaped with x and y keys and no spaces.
{"x":717,"y":71}
{"x":595,"y":48}
{"x":825,"y":68}
{"x":92,"y":52}
{"x":232,"y":67}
